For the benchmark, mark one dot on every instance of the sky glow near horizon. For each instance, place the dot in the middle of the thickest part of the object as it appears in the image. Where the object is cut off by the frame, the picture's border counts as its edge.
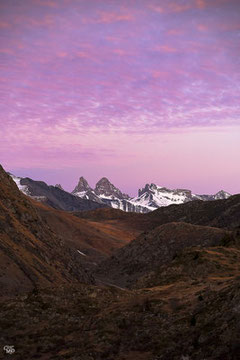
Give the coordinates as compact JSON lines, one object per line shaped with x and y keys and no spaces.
{"x":138,"y":91}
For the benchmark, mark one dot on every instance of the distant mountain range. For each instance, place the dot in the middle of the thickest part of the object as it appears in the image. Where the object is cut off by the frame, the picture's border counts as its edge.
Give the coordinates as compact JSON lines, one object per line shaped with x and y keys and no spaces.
{"x":105,"y":194}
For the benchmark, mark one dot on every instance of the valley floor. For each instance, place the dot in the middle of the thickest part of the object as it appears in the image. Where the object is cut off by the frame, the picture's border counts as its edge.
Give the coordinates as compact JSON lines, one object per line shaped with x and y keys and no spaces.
{"x":186,"y":314}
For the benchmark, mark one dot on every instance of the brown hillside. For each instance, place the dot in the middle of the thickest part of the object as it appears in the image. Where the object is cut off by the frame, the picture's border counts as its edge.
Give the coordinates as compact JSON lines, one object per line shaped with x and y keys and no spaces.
{"x":193,"y":313}
{"x":155,"y":248}
{"x":184,"y":298}
{"x":134,"y":222}
{"x":218,"y":213}
{"x":96,"y":239}
{"x":31,"y":254}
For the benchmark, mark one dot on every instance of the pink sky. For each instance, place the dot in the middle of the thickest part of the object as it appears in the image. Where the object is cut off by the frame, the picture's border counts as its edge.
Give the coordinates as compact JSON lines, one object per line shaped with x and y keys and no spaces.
{"x":138,"y":91}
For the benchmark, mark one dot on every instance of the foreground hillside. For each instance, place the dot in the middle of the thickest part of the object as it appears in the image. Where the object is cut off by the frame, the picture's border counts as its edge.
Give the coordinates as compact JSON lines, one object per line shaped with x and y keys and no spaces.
{"x":31,"y":254}
{"x":170,"y":281}
{"x":42,"y":246}
{"x":192,"y":312}
{"x":96,"y":239}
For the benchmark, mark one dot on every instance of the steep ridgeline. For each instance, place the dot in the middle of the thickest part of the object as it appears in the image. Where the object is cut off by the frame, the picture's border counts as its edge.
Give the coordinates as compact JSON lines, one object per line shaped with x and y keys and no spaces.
{"x":105,"y":194}
{"x":84,"y":191}
{"x":152,"y":196}
{"x":55,"y":196}
{"x":31,"y":254}
{"x":149,"y":198}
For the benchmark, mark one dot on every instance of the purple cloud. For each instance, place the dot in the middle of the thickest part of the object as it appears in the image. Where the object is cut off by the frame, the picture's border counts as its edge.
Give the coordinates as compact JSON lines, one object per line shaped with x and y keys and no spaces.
{"x":74,"y":71}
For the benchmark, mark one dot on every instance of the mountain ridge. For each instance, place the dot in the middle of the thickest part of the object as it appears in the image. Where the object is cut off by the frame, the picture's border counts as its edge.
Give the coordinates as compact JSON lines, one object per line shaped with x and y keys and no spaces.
{"x":105,"y":194}
{"x":54,"y":196}
{"x":149,"y":198}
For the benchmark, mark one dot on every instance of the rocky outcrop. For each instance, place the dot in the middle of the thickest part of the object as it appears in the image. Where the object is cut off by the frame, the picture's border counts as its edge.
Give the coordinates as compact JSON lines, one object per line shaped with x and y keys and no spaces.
{"x":105,"y":188}
{"x":82,"y":186}
{"x":84,"y":191}
{"x":59,"y":186}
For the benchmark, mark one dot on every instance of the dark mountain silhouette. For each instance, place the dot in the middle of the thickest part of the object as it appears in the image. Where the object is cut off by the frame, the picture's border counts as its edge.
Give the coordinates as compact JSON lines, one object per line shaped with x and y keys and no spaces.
{"x":155,"y":248}
{"x":219,"y":213}
{"x":57,"y":197}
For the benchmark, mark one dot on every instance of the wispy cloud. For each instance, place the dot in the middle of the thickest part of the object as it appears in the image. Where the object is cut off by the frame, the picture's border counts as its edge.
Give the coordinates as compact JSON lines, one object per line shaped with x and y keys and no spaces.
{"x":165,"y":48}
{"x":78,"y":76}
{"x":107,"y":17}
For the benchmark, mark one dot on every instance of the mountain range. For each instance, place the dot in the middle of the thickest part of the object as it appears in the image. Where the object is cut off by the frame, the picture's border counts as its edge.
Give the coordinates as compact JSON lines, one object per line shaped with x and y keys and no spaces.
{"x":108,"y":284}
{"x":105,"y":194}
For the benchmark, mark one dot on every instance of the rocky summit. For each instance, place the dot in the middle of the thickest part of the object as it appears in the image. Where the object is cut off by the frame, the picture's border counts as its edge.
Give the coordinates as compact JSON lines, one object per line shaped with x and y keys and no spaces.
{"x":106,"y":189}
{"x":59,"y":186}
{"x":150,"y":197}
{"x":81,"y":186}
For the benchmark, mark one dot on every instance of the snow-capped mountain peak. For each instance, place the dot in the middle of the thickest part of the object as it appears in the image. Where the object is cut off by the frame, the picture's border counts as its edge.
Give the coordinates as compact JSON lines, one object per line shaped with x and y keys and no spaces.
{"x":154,"y":196}
{"x":149,"y":198}
{"x":148,"y":188}
{"x":105,"y":189}
{"x":22,"y":188}
{"x":221,"y":195}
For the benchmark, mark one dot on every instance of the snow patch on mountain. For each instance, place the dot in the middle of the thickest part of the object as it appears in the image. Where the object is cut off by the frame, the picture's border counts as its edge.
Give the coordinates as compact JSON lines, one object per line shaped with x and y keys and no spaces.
{"x":149,"y":198}
{"x":21,"y":187}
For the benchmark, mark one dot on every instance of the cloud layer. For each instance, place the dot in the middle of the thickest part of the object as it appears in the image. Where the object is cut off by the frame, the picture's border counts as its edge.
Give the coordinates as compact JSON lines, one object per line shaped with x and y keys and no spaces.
{"x":73,"y":70}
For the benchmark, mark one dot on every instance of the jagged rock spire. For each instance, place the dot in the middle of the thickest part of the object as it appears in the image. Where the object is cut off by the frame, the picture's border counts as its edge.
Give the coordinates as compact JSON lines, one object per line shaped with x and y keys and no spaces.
{"x":105,"y":187}
{"x":81,"y":186}
{"x":59,"y":186}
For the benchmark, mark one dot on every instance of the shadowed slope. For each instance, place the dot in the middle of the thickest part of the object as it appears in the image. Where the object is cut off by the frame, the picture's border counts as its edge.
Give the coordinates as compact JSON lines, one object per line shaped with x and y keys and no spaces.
{"x":96,"y":239}
{"x":155,"y":248}
{"x":186,"y":305}
{"x":57,"y":197}
{"x":31,"y":254}
{"x":192,"y":314}
{"x":217,"y":213}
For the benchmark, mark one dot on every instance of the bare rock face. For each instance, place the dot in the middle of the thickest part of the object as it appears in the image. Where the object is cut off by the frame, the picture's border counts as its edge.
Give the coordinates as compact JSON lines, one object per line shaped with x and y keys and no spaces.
{"x":84,"y":191}
{"x":59,"y":186}
{"x":105,"y":188}
{"x":81,"y":186}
